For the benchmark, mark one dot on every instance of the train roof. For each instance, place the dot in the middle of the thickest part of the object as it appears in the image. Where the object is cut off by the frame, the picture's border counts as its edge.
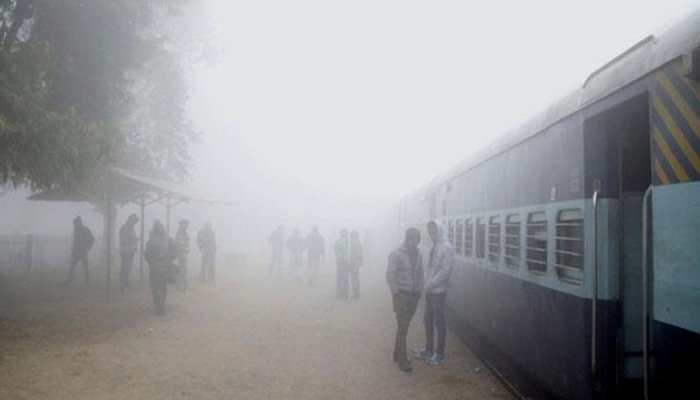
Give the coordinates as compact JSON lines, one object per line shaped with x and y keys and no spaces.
{"x":636,"y":62}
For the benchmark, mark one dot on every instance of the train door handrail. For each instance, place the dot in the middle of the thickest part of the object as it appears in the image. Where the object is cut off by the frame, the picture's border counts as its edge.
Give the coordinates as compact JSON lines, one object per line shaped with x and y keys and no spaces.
{"x":594,"y":299}
{"x":645,"y":289}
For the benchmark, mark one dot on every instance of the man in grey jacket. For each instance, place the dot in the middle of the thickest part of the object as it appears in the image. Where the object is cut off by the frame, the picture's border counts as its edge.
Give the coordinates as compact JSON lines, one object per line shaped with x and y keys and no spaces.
{"x":437,"y":282}
{"x":404,"y":275}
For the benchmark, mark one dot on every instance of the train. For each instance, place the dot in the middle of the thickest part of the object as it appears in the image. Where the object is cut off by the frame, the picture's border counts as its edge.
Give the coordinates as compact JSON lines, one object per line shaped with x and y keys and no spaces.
{"x":577,"y":235}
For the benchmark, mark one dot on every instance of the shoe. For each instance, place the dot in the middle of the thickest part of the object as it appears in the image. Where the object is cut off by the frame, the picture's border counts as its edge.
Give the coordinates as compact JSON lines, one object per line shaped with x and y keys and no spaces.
{"x":436,"y":359}
{"x":422,"y":354}
{"x":405,"y":366}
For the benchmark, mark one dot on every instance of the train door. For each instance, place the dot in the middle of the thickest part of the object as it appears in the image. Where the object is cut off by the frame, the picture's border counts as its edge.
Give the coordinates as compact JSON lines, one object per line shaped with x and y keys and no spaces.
{"x":674,"y":240}
{"x":618,"y":164}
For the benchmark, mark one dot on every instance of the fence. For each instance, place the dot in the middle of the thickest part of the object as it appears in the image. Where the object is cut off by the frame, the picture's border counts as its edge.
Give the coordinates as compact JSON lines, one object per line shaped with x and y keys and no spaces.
{"x":27,"y":253}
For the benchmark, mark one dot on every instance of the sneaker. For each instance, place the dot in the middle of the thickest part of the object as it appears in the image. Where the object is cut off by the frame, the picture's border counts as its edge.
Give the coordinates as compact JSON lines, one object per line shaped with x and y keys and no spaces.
{"x":436,"y":359}
{"x":422,"y":354}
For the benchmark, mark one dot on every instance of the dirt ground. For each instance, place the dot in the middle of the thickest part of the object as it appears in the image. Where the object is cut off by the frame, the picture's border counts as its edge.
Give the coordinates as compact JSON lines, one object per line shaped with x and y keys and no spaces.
{"x":248,"y":337}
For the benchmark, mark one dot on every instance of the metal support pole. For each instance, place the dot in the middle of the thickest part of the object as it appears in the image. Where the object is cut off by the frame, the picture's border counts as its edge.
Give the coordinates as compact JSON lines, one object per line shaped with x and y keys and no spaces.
{"x":142,"y":203}
{"x":109,"y":243}
{"x":167,"y":215}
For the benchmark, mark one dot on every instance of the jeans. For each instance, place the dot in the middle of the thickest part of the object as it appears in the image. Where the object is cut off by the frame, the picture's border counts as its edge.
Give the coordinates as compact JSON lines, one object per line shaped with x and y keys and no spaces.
{"x":82,"y":259}
{"x":342,"y":281}
{"x":434,"y":319}
{"x":158,"y":279}
{"x":127,"y":264}
{"x":355,"y":280}
{"x":405,"y":304}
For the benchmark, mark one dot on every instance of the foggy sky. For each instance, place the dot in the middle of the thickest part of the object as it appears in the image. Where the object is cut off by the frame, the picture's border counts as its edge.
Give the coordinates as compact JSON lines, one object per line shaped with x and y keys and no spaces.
{"x":373,"y":98}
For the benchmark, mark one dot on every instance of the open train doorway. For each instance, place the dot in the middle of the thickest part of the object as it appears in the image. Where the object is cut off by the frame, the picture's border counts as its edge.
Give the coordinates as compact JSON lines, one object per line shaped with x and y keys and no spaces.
{"x":618,"y":166}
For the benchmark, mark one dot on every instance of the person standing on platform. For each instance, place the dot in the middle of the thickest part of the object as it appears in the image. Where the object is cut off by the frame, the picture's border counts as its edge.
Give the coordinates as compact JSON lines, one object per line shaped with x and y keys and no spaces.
{"x":356,"y":261}
{"x":128,"y":244}
{"x":342,"y":261}
{"x":295,"y":246}
{"x":206,"y":241}
{"x":83,"y":240}
{"x":315,"y":249}
{"x":182,"y":247}
{"x":159,"y":253}
{"x":277,"y":246}
{"x":404,"y":275}
{"x":436,"y":286}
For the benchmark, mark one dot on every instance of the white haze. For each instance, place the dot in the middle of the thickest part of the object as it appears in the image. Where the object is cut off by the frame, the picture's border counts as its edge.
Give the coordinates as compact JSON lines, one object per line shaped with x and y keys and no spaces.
{"x":370,"y":99}
{"x":326,"y":112}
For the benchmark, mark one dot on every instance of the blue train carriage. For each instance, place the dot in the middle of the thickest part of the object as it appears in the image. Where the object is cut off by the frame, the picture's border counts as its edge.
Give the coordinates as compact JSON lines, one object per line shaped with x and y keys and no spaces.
{"x":617,"y":164}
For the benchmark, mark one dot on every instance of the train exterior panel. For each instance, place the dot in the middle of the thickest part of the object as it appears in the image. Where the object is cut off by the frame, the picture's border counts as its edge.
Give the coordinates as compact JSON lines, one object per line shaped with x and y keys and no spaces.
{"x":578,"y":269}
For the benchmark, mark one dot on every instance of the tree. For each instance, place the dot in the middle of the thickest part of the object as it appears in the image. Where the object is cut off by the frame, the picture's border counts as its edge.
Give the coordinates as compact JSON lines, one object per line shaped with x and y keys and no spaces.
{"x":72,"y":73}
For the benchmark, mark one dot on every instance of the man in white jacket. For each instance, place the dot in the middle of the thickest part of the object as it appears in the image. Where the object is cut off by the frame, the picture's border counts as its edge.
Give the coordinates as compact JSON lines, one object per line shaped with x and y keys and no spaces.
{"x":437,"y":283}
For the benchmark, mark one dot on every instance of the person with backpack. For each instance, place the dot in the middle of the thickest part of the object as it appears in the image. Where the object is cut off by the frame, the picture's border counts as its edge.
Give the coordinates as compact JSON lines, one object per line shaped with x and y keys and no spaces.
{"x":160,"y":254}
{"x":83,"y":240}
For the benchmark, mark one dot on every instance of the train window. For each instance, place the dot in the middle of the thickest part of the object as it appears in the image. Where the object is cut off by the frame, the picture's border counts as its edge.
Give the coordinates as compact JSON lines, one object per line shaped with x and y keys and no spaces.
{"x":468,"y":237}
{"x":459,"y":236}
{"x":480,"y":238}
{"x":451,"y":232}
{"x":512,"y":256}
{"x":536,"y":243}
{"x":569,"y":249}
{"x":495,"y":239}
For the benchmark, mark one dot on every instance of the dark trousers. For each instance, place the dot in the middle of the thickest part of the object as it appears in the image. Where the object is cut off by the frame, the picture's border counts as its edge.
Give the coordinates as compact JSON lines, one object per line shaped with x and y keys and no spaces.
{"x":125,"y":272}
{"x":82,"y":259}
{"x":405,"y":304}
{"x":207,"y":272}
{"x":434,"y":319}
{"x":342,"y":281}
{"x":355,"y":280}
{"x":158,"y":279}
{"x":276,"y":261}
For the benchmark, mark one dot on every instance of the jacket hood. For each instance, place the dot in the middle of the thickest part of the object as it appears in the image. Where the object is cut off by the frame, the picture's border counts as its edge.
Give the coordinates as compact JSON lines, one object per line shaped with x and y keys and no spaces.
{"x":442,"y":232}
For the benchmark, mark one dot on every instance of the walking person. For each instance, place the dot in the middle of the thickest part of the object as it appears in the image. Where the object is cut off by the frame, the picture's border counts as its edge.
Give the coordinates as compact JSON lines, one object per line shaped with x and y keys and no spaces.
{"x":83,"y":240}
{"x":437,"y":283}
{"x":276,"y":242}
{"x":315,"y":250}
{"x":404,"y":275}
{"x":182,"y":248}
{"x":342,"y":261}
{"x":128,"y":243}
{"x":160,"y":253}
{"x":206,"y":241}
{"x":356,"y":261}
{"x":295,"y":246}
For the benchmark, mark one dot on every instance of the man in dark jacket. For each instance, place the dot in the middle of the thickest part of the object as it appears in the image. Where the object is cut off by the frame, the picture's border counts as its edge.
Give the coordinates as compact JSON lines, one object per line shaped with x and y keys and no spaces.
{"x":356,"y":261}
{"x":404,"y":275}
{"x":128,"y":243}
{"x":342,"y":261}
{"x":276,"y":242}
{"x":315,"y":249}
{"x":206,"y":241}
{"x":82,"y":243}
{"x":160,"y":253}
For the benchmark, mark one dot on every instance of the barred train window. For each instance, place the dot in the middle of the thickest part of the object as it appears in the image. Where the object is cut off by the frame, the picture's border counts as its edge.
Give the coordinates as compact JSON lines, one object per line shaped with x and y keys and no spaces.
{"x":480,"y":238}
{"x":569,"y":251}
{"x":451,"y":232}
{"x":468,"y":237}
{"x":512,"y":256}
{"x":536,"y":245}
{"x":459,"y":236}
{"x":495,"y":239}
